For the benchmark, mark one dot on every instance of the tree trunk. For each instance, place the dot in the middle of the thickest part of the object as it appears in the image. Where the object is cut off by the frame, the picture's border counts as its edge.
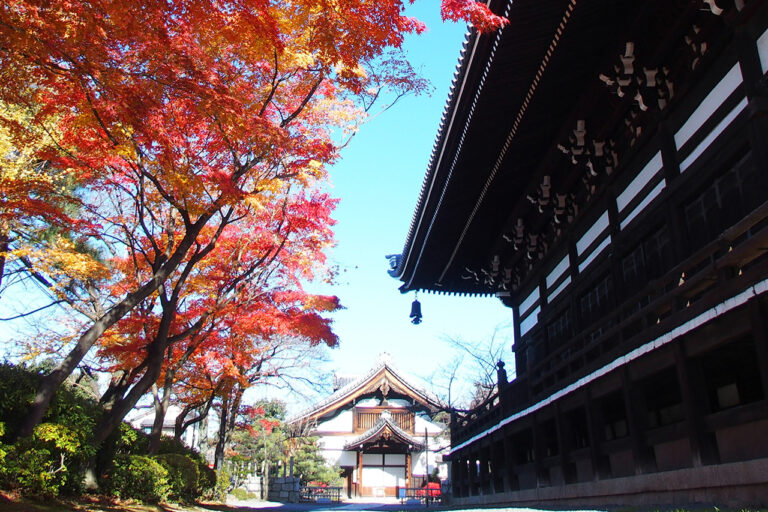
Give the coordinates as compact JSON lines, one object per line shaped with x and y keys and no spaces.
{"x":218,"y":455}
{"x":51,"y":382}
{"x":229,"y":408}
{"x":161,"y":408}
{"x":4,"y":242}
{"x":154,"y":364}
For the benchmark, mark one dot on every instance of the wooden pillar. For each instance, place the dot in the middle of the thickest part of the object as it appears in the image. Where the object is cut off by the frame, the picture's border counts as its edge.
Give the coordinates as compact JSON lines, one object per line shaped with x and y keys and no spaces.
{"x":360,"y":472}
{"x":703,"y":444}
{"x":510,"y":477}
{"x":408,"y":470}
{"x":671,"y":169}
{"x":537,"y":450}
{"x":757,"y":313}
{"x":634,"y":409}
{"x":472,"y":476}
{"x":562,"y":448}
{"x":600,"y":467}
{"x":485,"y":477}
{"x":617,"y":249}
{"x":455,"y":475}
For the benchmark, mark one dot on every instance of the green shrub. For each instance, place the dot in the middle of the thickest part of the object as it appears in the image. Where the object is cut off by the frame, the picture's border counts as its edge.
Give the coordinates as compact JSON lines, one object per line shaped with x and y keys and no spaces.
{"x":206,"y":482}
{"x":183,"y":475}
{"x":2,"y":448}
{"x":223,"y":483}
{"x":73,"y":405}
{"x":239,"y":493}
{"x":130,"y":441}
{"x":171,"y":445}
{"x":138,"y":477}
{"x":50,"y":461}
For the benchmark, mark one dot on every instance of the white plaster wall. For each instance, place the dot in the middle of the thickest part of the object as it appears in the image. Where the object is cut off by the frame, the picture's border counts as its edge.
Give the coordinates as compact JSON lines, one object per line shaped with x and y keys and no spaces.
{"x":368,"y":402}
{"x":418,"y":463}
{"x":383,"y":477}
{"x":341,"y":423}
{"x":399,"y":402}
{"x":332,"y":442}
{"x":339,"y":457}
{"x":423,"y":422}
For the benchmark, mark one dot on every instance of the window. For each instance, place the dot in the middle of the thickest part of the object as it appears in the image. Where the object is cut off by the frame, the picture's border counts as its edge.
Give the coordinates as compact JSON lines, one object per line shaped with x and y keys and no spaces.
{"x":725,"y":201}
{"x":594,"y":303}
{"x":648,"y":260}
{"x":559,"y":330}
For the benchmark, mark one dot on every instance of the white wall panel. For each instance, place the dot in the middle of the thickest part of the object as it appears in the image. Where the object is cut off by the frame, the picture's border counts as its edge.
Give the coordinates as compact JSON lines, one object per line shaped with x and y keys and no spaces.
{"x":530,"y":321}
{"x":560,"y":288}
{"x":592,"y":233}
{"x":642,"y":204}
{"x":717,"y":130}
{"x":341,"y":423}
{"x":714,"y":99}
{"x":373,"y":459}
{"x":557,"y":271}
{"x":421,"y":423}
{"x":529,"y":300}
{"x":762,"y":50}
{"x":642,"y":179}
{"x":594,"y":254}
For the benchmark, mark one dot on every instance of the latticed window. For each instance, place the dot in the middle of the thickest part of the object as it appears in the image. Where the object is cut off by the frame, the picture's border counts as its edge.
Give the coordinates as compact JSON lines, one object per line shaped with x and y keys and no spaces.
{"x":595,"y":301}
{"x":648,"y":260}
{"x":725,"y":201}
{"x":559,"y":329}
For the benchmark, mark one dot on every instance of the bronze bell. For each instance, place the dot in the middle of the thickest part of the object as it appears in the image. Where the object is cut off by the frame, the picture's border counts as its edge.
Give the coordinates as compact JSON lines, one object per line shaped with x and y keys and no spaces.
{"x":416,"y":312}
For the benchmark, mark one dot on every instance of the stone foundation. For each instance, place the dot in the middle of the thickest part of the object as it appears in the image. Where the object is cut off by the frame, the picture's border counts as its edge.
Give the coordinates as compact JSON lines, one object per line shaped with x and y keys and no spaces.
{"x":284,"y":489}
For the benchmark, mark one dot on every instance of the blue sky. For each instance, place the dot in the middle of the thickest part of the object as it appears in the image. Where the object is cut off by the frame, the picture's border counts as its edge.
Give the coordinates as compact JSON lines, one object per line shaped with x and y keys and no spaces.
{"x":378,"y":180}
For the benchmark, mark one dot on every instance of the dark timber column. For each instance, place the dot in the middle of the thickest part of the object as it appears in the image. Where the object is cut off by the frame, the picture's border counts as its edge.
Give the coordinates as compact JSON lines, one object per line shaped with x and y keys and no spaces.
{"x":634,"y":408}
{"x":566,"y":469}
{"x":537,"y":451}
{"x":510,"y":477}
{"x":671,"y":170}
{"x":617,"y":251}
{"x":472,"y":474}
{"x":485,"y":477}
{"x":757,"y":312}
{"x":600,"y":465}
{"x":754,"y":89}
{"x":457,"y":475}
{"x":703,"y":444}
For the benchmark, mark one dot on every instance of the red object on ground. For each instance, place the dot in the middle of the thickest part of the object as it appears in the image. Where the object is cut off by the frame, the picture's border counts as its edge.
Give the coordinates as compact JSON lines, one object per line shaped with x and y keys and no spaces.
{"x":431,"y":489}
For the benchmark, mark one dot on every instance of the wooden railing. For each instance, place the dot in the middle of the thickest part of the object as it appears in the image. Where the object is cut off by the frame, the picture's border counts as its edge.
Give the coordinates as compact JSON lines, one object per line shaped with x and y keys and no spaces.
{"x":319,"y":494}
{"x":365,"y":419}
{"x":419,"y":494}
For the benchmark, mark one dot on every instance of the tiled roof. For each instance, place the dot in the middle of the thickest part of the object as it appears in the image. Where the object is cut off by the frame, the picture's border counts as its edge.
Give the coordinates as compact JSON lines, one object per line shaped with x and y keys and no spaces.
{"x":344,"y":392}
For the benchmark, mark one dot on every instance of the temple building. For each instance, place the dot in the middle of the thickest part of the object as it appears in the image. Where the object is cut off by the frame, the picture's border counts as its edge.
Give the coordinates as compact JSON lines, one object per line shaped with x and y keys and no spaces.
{"x":602,"y":169}
{"x":380,"y":430}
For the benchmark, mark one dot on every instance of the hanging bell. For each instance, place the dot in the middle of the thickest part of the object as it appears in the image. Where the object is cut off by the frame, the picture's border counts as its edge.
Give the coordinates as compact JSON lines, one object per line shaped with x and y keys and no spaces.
{"x":416,"y":312}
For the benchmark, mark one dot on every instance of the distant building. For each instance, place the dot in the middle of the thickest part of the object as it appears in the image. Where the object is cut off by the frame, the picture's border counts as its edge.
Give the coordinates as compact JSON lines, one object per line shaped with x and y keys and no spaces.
{"x":143,"y":417}
{"x":602,"y":168}
{"x":379,"y":429}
